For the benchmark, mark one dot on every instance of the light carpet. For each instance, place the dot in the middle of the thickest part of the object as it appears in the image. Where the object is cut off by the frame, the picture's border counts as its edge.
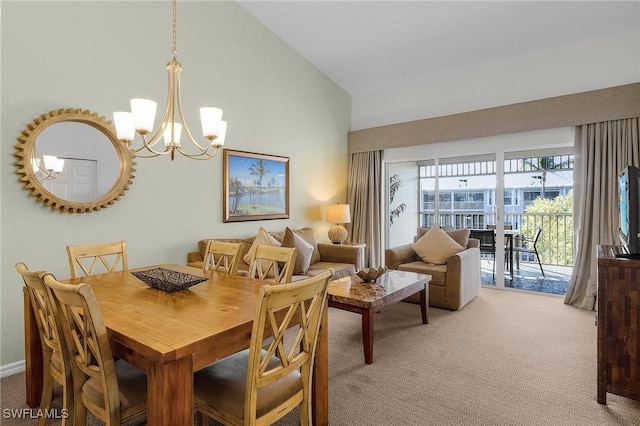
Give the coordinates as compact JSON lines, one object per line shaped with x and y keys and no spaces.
{"x":507,"y":358}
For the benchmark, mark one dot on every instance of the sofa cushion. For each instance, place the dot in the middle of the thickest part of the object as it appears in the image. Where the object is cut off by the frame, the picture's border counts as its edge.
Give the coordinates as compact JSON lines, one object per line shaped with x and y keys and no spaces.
{"x":438,"y":272}
{"x":305,"y":250}
{"x":461,"y":236}
{"x":263,"y":238}
{"x":436,"y":246}
{"x":308,"y":235}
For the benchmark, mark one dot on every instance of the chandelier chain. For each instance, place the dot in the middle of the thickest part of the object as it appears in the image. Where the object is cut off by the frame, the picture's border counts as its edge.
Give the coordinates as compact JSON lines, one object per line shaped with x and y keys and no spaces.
{"x":174,"y":51}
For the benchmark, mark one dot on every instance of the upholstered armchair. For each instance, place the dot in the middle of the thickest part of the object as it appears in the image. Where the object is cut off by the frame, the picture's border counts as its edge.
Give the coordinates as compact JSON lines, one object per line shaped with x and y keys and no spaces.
{"x":455,"y":279}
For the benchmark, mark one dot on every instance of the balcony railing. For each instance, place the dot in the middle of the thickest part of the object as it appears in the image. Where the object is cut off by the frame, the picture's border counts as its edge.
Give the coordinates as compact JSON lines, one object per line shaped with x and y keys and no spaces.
{"x":555,"y":245}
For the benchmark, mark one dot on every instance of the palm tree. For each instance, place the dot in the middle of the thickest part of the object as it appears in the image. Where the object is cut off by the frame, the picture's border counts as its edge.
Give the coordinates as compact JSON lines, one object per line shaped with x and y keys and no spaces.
{"x":236,"y":189}
{"x":544,"y":164}
{"x":394,"y":184}
{"x":259,"y":169}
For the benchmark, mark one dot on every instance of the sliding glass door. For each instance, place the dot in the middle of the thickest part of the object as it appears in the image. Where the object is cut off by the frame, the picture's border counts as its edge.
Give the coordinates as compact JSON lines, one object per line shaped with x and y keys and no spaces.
{"x":461,"y":192}
{"x":518,"y":194}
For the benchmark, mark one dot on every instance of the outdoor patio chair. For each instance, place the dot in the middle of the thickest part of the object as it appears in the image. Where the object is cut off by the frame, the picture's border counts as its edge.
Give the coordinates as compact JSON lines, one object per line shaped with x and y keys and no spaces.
{"x":533,"y":250}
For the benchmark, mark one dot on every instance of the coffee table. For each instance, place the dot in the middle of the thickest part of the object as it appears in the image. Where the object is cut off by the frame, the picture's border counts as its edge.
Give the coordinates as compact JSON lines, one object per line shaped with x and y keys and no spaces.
{"x":353,"y":295}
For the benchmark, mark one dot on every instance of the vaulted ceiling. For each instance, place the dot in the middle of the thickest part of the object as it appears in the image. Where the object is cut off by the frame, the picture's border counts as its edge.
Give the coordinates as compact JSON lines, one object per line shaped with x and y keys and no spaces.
{"x":368,"y":45}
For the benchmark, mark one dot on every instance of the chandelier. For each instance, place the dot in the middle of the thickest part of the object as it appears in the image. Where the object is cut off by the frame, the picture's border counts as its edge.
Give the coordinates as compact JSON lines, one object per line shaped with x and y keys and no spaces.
{"x":49,"y":167}
{"x":140,"y":120}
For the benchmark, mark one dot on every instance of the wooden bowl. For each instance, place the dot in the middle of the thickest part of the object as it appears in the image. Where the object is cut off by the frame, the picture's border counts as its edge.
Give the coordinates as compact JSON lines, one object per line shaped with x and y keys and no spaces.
{"x":370,"y":274}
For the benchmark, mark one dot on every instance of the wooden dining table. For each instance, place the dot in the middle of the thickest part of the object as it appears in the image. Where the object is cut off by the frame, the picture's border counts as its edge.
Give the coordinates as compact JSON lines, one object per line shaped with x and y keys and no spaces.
{"x":171,"y":335}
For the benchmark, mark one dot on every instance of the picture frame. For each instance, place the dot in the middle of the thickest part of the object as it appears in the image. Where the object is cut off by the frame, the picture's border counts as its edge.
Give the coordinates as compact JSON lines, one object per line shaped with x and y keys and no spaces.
{"x":255,"y":186}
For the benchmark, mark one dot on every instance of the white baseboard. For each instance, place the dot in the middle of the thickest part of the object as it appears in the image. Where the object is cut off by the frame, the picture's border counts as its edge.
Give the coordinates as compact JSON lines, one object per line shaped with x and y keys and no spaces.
{"x":11,"y":369}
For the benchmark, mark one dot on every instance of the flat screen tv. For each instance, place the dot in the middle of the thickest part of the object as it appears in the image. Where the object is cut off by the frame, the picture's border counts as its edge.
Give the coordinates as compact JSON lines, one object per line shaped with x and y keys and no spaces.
{"x":629,"y":195}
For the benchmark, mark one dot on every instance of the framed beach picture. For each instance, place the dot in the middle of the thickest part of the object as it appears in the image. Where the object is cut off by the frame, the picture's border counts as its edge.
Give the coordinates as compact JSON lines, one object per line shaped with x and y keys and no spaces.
{"x":256,"y":186}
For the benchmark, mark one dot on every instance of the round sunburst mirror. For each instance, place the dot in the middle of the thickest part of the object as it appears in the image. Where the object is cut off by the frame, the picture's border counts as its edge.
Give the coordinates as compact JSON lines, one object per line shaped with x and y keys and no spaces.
{"x":71,"y":160}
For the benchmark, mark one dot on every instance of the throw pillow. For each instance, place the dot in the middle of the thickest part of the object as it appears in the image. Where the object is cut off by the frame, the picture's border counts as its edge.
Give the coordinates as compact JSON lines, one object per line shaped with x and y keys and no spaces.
{"x":305,"y":250}
{"x":436,"y":246}
{"x":308,"y":235}
{"x":263,"y":238}
{"x":461,"y":236}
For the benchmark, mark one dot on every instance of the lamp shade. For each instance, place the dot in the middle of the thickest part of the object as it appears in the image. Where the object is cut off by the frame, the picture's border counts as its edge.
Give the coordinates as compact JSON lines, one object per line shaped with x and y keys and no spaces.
{"x":125,"y":125}
{"x":338,"y":213}
{"x":144,"y":114}
{"x":177,"y":131}
{"x":210,"y":119}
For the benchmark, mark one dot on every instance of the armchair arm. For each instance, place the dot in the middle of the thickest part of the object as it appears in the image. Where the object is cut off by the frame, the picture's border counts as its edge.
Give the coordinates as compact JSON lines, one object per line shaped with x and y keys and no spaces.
{"x":194,"y":256}
{"x":398,"y":255}
{"x":338,"y":253}
{"x":463,"y":276}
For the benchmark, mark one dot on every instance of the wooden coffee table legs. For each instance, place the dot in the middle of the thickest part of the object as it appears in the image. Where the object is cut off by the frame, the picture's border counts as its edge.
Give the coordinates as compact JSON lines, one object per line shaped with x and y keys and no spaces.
{"x":368,"y":316}
{"x":424,"y":305}
{"x":367,"y":334}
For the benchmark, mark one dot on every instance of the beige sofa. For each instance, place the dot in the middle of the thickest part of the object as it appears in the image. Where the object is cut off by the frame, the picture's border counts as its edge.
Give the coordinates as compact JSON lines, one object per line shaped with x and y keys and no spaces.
{"x":343,"y":260}
{"x":453,"y":284}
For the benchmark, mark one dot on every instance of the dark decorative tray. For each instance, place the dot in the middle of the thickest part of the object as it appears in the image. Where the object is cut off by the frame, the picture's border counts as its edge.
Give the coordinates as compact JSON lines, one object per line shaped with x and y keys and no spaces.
{"x":167,"y":280}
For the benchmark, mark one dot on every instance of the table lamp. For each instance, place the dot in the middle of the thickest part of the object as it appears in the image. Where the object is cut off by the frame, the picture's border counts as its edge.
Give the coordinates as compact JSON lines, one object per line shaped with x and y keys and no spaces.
{"x":338,"y":213}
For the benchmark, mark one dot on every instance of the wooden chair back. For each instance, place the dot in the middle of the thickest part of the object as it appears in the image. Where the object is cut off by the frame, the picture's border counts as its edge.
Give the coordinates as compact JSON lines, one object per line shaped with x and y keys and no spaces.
{"x":222,"y":256}
{"x":273,"y":263}
{"x":55,"y":358}
{"x":92,"y":259}
{"x":280,"y":306}
{"x":87,"y":344}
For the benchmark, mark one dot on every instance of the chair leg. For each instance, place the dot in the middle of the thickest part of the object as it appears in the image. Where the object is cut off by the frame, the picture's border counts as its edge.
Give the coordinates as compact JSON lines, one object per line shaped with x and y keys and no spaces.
{"x":47,"y":394}
{"x":494,"y":267}
{"x":67,"y":402}
{"x":539,"y":263}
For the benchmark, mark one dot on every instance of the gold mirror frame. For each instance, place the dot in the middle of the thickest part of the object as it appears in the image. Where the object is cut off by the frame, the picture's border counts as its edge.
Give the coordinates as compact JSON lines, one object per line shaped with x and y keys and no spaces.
{"x":31,"y":183}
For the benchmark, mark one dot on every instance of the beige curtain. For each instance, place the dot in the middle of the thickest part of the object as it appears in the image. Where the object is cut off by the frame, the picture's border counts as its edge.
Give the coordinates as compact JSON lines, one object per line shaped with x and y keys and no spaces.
{"x":601,"y":151}
{"x":364,"y":195}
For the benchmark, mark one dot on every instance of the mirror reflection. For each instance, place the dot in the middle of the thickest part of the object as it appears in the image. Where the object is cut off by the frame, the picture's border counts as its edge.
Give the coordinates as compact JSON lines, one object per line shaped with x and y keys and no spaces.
{"x":71,"y":160}
{"x":80,"y":163}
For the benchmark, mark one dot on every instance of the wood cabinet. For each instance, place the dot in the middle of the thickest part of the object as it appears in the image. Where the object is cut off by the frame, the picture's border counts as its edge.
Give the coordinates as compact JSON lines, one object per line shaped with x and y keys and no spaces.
{"x":618,"y":325}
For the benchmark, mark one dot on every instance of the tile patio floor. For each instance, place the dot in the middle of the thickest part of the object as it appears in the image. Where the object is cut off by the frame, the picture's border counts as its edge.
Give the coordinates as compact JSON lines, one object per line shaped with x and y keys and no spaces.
{"x":528,"y":277}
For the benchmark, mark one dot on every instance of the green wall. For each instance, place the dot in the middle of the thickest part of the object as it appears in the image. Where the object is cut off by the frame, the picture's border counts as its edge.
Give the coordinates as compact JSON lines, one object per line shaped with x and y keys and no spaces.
{"x":98,"y":55}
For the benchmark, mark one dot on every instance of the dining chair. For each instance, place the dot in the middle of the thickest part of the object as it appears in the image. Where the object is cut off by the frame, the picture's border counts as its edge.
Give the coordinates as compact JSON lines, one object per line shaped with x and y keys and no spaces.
{"x":112,"y":390}
{"x":55,"y":359}
{"x":507,"y":242}
{"x":273,"y":263}
{"x":487,"y":239}
{"x":259,"y":386}
{"x":533,"y":250}
{"x":222,"y":256}
{"x":83,"y":259}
